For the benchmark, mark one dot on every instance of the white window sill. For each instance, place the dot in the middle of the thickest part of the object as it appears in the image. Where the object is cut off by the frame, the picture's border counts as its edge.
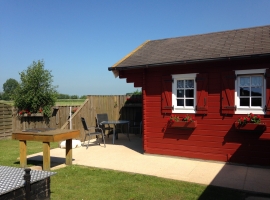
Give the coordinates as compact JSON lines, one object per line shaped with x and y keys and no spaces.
{"x":183,"y":111}
{"x":247,"y":111}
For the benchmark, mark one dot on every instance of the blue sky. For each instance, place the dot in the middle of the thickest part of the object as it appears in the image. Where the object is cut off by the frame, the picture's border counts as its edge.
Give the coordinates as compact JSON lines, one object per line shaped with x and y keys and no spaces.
{"x":79,"y":40}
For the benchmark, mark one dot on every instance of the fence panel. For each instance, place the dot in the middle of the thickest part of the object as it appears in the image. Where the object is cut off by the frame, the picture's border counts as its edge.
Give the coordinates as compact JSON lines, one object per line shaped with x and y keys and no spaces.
{"x":116,"y":106}
{"x":5,"y":120}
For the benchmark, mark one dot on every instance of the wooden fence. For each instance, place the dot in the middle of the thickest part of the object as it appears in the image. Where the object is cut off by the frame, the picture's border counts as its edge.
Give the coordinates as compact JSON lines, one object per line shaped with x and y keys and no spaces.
{"x":116,"y":106}
{"x":5,"y":120}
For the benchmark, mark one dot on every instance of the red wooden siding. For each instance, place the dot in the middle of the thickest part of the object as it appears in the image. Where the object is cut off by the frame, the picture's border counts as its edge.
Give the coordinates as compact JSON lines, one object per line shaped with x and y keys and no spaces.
{"x":215,"y":137}
{"x":132,"y":77}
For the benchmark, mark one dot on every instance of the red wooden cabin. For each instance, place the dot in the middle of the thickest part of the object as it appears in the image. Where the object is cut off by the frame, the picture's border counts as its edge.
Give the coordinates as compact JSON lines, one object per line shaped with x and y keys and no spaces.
{"x":215,"y":78}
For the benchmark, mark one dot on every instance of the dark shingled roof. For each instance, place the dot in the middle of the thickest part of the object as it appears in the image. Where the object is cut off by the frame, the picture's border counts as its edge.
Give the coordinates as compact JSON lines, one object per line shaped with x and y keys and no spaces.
{"x":196,"y":48}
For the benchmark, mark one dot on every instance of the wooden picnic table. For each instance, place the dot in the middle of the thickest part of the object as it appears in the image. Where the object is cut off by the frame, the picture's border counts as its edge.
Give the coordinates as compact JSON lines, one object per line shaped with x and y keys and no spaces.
{"x":45,"y":135}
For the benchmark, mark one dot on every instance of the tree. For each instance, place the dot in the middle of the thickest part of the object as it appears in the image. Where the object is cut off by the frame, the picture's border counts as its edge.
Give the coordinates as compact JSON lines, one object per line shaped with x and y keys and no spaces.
{"x":74,"y":97}
{"x":63,"y":96}
{"x":35,"y":91}
{"x":9,"y":88}
{"x":83,"y":97}
{"x":137,"y":92}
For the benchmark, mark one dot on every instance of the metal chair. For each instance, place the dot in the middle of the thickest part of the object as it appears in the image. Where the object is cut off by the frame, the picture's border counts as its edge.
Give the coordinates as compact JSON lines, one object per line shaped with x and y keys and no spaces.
{"x":97,"y":131}
{"x":104,"y":117}
{"x":137,"y":122}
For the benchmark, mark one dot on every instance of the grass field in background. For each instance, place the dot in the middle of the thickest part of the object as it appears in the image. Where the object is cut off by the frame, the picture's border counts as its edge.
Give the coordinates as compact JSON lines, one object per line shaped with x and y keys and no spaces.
{"x":7,"y":102}
{"x":59,"y":102}
{"x":69,"y":102}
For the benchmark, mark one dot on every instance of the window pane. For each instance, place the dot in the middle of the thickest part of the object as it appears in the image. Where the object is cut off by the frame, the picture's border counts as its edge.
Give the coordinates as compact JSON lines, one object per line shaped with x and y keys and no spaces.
{"x":180,"y":93}
{"x":180,"y":84}
{"x":251,"y":90}
{"x":189,"y":102}
{"x":244,"y":101}
{"x":244,"y":81}
{"x":256,"y":91}
{"x":256,"y":102}
{"x":189,"y":93}
{"x":244,"y":91}
{"x":189,"y":83}
{"x":180,"y":102}
{"x":256,"y":81}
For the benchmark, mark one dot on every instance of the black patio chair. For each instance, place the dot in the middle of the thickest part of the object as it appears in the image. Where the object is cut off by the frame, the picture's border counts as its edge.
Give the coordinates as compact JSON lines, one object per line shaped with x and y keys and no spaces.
{"x":137,"y":122}
{"x":97,"y":131}
{"x":104,"y":117}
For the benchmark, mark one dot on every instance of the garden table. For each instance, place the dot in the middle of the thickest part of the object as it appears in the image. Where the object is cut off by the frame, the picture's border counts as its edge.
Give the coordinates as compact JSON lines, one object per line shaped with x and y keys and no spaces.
{"x":46,"y":136}
{"x":115,"y":123}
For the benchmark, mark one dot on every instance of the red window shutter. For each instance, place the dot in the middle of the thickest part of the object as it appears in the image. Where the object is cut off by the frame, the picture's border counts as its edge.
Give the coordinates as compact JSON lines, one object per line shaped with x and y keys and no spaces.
{"x":227,"y":94}
{"x":267,"y":99}
{"x":202,"y":93}
{"x":166,"y":94}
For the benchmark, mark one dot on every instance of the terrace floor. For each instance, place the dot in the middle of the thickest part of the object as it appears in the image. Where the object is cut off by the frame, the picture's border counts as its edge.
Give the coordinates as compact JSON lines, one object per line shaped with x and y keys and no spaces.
{"x":128,"y":156}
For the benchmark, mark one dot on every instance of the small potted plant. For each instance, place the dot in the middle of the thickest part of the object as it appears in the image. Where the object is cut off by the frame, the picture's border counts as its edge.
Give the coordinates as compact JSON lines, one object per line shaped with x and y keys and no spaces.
{"x":185,"y":122}
{"x":250,"y":123}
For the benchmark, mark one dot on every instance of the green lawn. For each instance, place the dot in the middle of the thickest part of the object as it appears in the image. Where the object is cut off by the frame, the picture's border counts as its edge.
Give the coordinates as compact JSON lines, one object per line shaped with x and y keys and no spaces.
{"x":81,"y":182}
{"x":9,"y":151}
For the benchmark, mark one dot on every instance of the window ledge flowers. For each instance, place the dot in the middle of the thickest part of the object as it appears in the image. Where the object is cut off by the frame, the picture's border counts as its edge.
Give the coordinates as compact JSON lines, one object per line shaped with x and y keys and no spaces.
{"x":27,"y":113}
{"x":250,"y":123}
{"x":186,"y":122}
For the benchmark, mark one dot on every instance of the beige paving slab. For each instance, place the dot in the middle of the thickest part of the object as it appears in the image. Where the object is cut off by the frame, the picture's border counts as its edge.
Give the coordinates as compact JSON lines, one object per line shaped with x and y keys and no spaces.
{"x":232,"y":176}
{"x":205,"y":172}
{"x":155,"y":164}
{"x":179,"y":169}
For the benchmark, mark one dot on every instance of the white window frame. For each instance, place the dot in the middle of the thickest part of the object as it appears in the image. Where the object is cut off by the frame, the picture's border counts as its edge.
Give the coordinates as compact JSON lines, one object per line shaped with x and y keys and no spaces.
{"x":176,"y":77}
{"x":255,"y":110}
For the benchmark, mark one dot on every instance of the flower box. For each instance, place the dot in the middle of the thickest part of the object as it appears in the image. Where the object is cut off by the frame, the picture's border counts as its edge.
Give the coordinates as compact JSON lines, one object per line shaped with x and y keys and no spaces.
{"x":250,"y":126}
{"x":32,"y":115}
{"x":183,"y":124}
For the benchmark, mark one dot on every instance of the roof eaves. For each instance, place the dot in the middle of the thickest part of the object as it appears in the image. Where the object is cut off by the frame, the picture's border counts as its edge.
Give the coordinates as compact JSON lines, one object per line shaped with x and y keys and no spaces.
{"x":131,"y":53}
{"x":113,"y":68}
{"x":189,"y":61}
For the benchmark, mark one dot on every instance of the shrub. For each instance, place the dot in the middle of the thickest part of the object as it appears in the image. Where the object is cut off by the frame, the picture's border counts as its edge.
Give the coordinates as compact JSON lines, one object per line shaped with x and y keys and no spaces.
{"x":35,"y":91}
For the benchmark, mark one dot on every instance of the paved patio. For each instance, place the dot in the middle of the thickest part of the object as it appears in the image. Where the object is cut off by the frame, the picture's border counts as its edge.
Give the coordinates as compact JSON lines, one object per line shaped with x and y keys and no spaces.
{"x":128,"y":156}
